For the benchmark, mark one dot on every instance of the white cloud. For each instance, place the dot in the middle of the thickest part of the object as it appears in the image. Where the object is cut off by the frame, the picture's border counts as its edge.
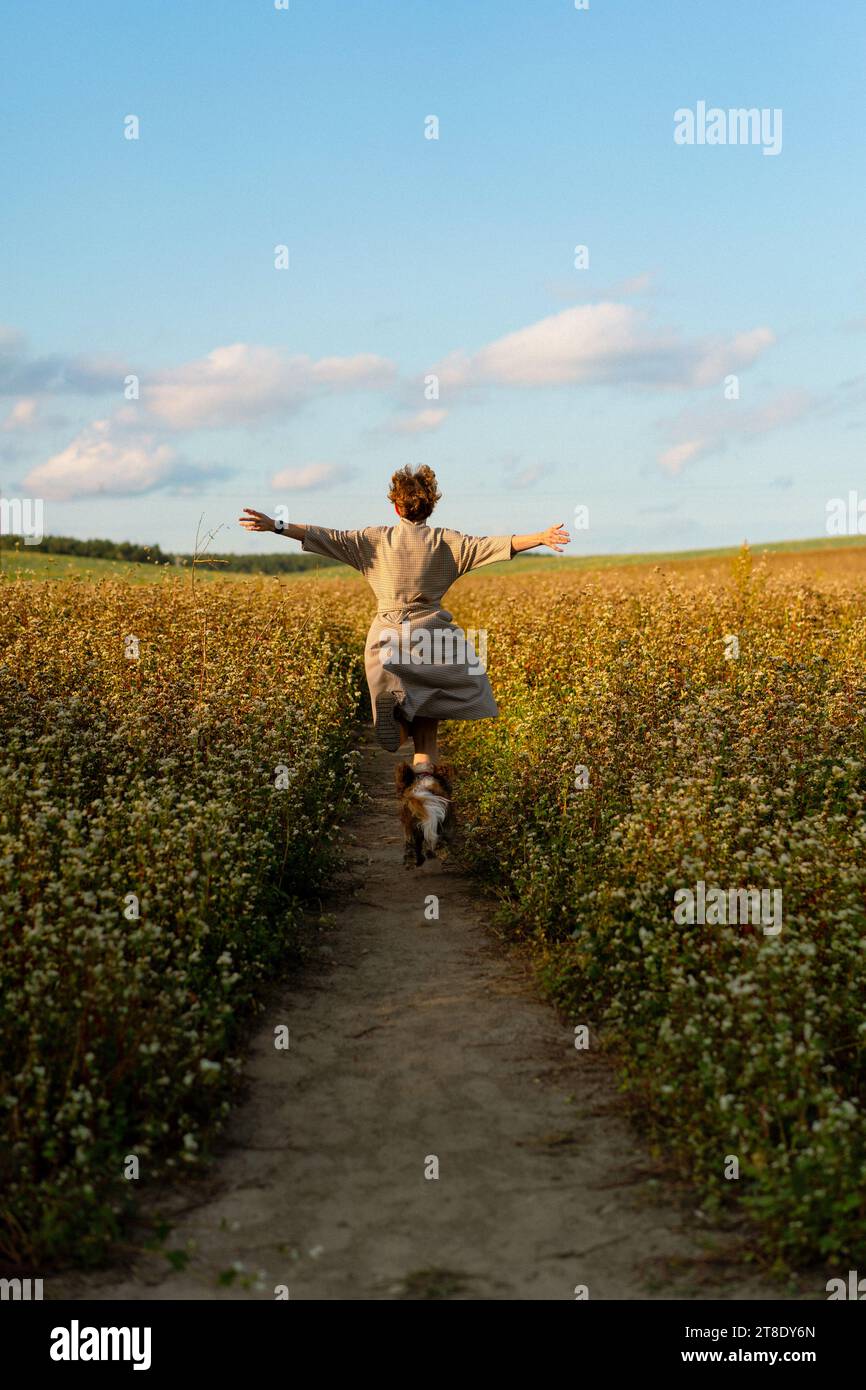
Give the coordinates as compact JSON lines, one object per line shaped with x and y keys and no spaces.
{"x":311,"y":477}
{"x":22,"y":416}
{"x":674,"y":459}
{"x":570,"y":346}
{"x":124,"y":455}
{"x":719,"y":359}
{"x":240,"y":384}
{"x":634,"y":284}
{"x":12,"y":340}
{"x":103,"y":461}
{"x":420,"y":422}
{"x":235,"y":384}
{"x":349,"y":373}
{"x":604,"y":342}
{"x":701,"y":432}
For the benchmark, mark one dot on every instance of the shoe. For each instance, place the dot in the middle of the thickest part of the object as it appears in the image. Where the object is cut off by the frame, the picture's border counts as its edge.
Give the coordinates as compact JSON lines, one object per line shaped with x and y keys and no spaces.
{"x":385,"y":724}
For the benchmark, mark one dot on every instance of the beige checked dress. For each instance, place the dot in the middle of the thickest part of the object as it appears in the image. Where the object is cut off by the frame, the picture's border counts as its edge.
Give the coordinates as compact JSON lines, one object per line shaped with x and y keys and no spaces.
{"x":410,"y":567}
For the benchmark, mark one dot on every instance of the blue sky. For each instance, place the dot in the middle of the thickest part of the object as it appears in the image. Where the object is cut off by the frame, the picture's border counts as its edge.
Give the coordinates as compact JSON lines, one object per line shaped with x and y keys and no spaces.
{"x":410,"y":257}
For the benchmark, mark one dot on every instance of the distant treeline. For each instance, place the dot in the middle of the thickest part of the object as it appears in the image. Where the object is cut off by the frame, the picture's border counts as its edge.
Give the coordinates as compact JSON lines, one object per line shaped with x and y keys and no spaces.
{"x":153,"y":555}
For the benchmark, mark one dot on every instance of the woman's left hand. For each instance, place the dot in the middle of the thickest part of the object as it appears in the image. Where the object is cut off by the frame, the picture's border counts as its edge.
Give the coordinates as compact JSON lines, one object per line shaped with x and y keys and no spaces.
{"x":556,"y":537}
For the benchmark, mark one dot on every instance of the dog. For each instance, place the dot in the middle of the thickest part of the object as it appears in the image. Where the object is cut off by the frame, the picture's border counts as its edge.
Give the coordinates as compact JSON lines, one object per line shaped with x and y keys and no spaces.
{"x":426,"y":812}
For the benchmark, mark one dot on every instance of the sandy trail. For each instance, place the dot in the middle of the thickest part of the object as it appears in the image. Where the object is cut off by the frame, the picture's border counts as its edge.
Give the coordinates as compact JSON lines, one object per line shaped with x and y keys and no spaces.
{"x":410,"y":1038}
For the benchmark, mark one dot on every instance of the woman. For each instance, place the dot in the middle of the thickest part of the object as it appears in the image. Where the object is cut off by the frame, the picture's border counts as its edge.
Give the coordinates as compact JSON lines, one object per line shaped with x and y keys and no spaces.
{"x":420,"y":667}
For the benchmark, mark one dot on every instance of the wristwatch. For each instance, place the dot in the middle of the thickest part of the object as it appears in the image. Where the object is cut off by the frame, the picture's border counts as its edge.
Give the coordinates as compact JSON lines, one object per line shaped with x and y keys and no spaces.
{"x":279,"y":525}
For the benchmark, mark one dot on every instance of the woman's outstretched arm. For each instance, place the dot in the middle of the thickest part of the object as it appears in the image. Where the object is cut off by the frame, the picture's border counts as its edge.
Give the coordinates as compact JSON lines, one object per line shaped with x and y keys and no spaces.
{"x":555,"y":536}
{"x":257,"y":521}
{"x":355,"y":548}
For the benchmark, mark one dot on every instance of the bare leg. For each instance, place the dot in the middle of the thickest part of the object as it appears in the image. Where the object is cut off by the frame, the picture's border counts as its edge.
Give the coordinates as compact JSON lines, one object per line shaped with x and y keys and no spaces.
{"x":424,"y":733}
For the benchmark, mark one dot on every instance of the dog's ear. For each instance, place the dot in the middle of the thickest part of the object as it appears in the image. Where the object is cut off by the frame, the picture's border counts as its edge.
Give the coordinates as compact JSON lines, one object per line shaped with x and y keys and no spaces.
{"x":403,"y":776}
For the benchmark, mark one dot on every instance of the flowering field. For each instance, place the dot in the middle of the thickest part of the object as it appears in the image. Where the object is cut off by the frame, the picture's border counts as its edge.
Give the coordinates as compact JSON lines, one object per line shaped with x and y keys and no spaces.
{"x":176,"y":761}
{"x":664,"y":731}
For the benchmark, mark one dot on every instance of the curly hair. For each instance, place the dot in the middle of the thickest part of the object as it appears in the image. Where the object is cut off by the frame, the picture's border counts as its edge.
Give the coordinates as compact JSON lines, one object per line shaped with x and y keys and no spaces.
{"x":415,"y":493}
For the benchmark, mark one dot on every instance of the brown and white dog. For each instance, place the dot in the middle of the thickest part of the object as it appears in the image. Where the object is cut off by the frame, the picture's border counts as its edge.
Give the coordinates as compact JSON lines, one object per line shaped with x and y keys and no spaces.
{"x":425,"y":810}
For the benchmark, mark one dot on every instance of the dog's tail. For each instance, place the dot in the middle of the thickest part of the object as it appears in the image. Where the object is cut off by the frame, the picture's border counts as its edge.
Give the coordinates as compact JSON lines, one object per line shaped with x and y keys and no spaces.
{"x":425,"y":808}
{"x":430,"y":810}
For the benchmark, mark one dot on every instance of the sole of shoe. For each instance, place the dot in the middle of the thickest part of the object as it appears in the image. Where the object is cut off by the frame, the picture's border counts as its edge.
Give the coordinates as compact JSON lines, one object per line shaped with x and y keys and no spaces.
{"x":385,"y":724}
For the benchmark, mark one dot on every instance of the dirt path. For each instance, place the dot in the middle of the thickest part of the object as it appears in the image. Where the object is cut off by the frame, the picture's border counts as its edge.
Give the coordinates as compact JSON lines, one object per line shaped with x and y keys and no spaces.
{"x":410,"y":1038}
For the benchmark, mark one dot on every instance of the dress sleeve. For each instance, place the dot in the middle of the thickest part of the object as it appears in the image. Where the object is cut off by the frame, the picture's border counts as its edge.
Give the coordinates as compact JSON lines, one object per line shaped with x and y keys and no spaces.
{"x":474,"y":551}
{"x":353,"y":548}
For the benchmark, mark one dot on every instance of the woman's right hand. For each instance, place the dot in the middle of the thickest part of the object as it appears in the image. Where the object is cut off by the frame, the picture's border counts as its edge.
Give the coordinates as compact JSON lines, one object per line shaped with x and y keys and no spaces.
{"x":256,"y":521}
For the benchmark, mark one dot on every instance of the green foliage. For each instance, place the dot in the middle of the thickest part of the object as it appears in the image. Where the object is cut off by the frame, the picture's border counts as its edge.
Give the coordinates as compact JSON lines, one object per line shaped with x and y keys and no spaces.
{"x":130,"y":552}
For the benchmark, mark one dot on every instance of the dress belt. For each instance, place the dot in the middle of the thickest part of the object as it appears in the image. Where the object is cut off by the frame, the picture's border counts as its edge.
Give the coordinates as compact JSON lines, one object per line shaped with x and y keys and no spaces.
{"x":418,"y":610}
